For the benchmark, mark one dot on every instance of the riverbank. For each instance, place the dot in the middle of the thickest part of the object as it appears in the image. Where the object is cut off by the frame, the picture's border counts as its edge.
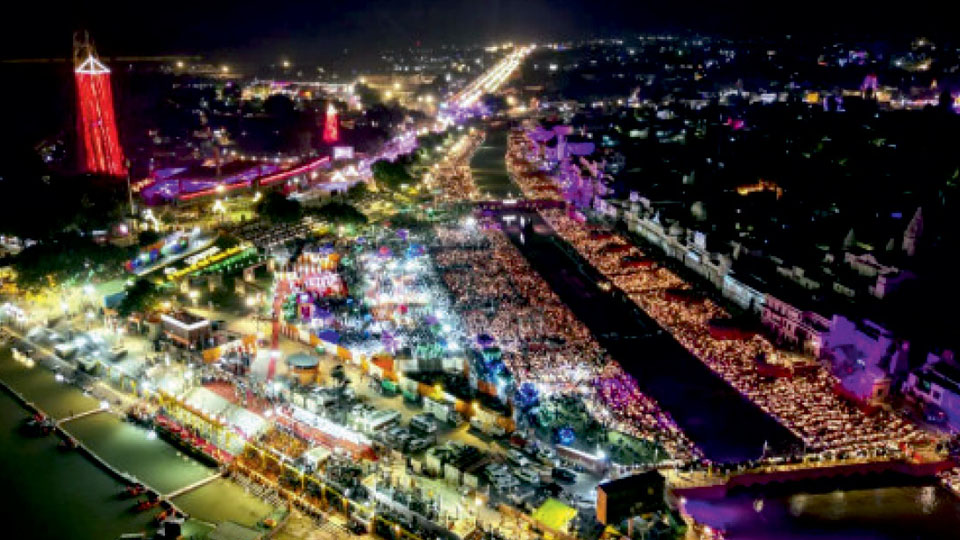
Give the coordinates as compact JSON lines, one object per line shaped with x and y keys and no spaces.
{"x":123,"y":447}
{"x":725,"y":425}
{"x":62,"y":434}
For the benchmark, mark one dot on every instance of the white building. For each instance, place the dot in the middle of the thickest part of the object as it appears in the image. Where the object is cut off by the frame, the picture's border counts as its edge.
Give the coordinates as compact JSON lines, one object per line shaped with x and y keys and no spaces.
{"x":793,"y":325}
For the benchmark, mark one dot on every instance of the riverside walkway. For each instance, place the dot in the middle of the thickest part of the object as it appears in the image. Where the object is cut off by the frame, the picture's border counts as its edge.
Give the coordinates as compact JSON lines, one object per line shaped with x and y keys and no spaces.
{"x":708,"y":484}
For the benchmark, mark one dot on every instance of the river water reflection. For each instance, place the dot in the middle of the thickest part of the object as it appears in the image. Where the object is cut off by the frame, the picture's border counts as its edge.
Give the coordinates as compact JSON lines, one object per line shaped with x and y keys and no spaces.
{"x":64,"y":495}
{"x":911,"y":512}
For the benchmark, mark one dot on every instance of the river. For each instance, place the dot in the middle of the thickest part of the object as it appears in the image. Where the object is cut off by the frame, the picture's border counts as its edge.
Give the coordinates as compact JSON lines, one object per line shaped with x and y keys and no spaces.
{"x":716,"y":417}
{"x":83,"y":500}
{"x":723,"y":423}
{"x":901,"y":512}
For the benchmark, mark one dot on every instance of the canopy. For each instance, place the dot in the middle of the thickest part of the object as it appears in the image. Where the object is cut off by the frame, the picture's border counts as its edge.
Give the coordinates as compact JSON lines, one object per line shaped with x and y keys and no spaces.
{"x":555,"y":514}
{"x":213,"y":404}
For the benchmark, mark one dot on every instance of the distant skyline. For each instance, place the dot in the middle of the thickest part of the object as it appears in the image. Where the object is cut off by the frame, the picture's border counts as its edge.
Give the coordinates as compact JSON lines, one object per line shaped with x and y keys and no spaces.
{"x":315,"y":31}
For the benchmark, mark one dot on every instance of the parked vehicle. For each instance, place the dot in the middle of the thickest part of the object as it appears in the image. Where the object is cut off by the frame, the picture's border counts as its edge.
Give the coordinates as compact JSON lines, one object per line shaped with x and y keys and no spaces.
{"x":380,"y":420}
{"x":504,"y":482}
{"x":546,"y":455}
{"x":424,"y":424}
{"x":517,"y":458}
{"x":564,"y":475}
{"x":528,"y":475}
{"x":492,"y":430}
{"x":417,"y":445}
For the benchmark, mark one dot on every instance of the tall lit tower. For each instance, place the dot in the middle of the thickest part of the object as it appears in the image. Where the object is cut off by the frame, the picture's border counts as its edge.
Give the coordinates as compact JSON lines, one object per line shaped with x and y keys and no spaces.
{"x":331,"y":127}
{"x":96,"y":122}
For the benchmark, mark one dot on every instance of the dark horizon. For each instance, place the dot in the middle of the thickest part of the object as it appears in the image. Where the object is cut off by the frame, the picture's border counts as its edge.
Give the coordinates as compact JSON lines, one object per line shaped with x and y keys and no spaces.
{"x":253,"y":32}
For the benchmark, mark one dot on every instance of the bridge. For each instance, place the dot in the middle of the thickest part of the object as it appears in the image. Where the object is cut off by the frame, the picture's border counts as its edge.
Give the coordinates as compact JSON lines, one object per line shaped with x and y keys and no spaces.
{"x":190,"y":487}
{"x":508,"y":205}
{"x":95,"y":458}
{"x":78,"y":416}
{"x":715,"y":485}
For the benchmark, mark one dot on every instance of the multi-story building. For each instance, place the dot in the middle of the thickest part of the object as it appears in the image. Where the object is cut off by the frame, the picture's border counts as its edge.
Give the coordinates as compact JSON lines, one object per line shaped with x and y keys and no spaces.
{"x":793,"y":325}
{"x":937,"y":387}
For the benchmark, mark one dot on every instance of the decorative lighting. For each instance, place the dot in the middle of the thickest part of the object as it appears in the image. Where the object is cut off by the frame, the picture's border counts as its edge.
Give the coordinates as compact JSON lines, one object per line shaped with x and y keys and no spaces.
{"x":96,"y":122}
{"x":331,"y":128}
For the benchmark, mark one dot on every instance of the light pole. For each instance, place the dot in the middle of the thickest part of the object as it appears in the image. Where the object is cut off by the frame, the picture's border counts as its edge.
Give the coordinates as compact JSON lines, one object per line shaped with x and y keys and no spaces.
{"x":129,"y":190}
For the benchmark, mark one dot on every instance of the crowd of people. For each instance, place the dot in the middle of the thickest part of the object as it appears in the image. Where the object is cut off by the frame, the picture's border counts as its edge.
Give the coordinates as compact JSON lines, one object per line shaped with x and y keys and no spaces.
{"x":497,"y":293}
{"x":806,"y":405}
{"x":951,"y":479}
{"x":284,"y":441}
{"x":451,"y":177}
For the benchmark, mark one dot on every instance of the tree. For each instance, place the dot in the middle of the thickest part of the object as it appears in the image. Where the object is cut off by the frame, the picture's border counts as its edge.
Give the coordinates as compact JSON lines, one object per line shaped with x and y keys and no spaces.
{"x":148,"y":237}
{"x":141,"y":297}
{"x":406,"y":220}
{"x":339,"y":213}
{"x":279,"y":209}
{"x":64,"y":259}
{"x":368,"y":96}
{"x":279,"y":106}
{"x":430,"y":141}
{"x":358,"y":192}
{"x":69,"y":203}
{"x":494,"y":104}
{"x":391,"y":174}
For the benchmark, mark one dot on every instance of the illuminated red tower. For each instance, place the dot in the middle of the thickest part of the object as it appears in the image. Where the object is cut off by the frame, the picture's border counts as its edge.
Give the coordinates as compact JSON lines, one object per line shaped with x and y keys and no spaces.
{"x":331,"y":128}
{"x":96,"y":123}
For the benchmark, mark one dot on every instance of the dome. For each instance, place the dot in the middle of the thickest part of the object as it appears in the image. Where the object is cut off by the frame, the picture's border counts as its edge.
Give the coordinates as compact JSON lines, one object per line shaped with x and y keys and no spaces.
{"x":302,"y":361}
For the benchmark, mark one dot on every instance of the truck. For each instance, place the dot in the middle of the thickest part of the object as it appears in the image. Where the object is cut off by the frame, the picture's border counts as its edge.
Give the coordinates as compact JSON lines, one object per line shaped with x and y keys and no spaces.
{"x":379,"y":420}
{"x":493,"y":430}
{"x":423,"y":423}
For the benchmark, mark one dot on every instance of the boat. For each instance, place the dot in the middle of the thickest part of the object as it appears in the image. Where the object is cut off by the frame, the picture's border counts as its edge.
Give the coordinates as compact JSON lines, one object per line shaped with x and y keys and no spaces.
{"x":37,"y":425}
{"x":186,"y":445}
{"x":146,"y":504}
{"x":134,"y":489}
{"x":140,"y":416}
{"x":69,"y":443}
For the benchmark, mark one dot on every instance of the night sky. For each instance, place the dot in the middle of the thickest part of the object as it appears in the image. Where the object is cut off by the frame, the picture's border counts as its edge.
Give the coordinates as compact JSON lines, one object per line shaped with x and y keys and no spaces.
{"x":306,"y":31}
